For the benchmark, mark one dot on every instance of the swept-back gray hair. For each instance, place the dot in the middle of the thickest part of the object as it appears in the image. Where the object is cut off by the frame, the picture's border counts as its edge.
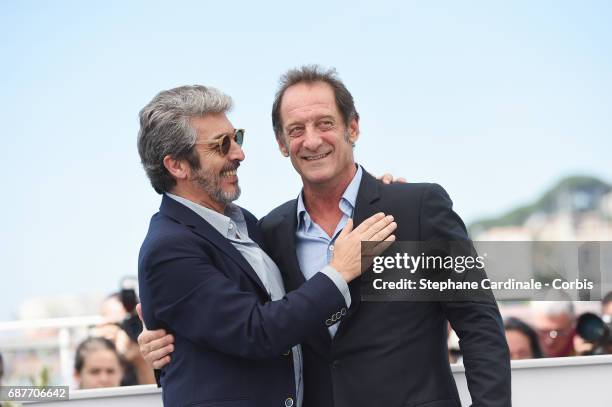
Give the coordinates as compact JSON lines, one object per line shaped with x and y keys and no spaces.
{"x":310,"y":74}
{"x":165,"y":129}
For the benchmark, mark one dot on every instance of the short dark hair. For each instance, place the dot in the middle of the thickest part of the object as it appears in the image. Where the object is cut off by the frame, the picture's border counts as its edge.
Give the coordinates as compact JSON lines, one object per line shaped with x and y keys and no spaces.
{"x":90,"y":345}
{"x":515,"y":324}
{"x":310,"y":74}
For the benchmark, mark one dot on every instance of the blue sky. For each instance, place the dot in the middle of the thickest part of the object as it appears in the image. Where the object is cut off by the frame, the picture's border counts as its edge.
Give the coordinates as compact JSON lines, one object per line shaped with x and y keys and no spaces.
{"x":496,"y":101}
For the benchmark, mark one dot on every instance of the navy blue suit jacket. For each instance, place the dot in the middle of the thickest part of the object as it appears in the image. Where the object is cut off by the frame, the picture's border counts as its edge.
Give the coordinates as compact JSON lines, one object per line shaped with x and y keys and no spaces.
{"x":232,"y":343}
{"x":394,"y":354}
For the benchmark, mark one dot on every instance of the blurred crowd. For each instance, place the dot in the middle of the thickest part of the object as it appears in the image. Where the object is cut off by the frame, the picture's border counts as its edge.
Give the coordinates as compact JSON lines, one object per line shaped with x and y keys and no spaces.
{"x":110,"y":356}
{"x":555,"y":330}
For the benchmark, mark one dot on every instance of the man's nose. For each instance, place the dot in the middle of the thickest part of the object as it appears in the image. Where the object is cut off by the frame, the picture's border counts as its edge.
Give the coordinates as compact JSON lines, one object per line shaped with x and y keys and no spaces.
{"x":312,"y":139}
{"x":235,"y":152}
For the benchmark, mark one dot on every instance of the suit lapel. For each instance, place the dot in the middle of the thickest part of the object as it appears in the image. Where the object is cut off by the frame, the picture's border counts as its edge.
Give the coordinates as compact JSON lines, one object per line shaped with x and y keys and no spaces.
{"x":367,"y":204}
{"x":286,"y":250}
{"x":192,"y":220}
{"x":286,"y":257}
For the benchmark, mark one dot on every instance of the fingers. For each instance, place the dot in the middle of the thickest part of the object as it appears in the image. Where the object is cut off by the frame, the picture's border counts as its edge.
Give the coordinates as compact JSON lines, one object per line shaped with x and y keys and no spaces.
{"x":375,"y":247}
{"x":158,"y":364}
{"x":387,"y":178}
{"x":369,"y":222}
{"x":348,"y":228}
{"x":154,"y":351}
{"x":378,"y":227}
{"x":390,"y":179}
{"x":155,"y":346}
{"x":146,"y":337}
{"x":385,"y":232}
{"x":382,"y":246}
{"x":160,"y":357}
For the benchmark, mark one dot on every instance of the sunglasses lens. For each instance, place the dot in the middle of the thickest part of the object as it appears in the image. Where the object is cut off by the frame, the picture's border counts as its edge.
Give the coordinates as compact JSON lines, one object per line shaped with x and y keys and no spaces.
{"x":239,"y":136}
{"x":225,"y":145}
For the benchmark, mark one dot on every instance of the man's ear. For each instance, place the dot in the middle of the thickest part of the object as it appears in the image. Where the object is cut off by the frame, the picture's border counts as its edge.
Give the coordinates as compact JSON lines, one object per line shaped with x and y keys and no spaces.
{"x":177,"y":168}
{"x":353,"y":130}
{"x":282,"y":146}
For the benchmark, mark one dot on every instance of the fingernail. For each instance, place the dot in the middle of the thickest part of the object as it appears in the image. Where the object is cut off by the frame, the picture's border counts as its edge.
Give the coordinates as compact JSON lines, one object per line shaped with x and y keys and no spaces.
{"x":390,"y":217}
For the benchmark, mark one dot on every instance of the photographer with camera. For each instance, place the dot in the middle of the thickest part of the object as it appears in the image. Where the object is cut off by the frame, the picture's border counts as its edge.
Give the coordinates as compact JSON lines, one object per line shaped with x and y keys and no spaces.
{"x":594,"y":334}
{"x":121,"y":325}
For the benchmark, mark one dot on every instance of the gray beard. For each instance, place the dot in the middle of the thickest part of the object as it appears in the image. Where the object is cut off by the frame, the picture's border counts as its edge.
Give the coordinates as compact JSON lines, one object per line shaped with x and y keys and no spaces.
{"x":211,"y":185}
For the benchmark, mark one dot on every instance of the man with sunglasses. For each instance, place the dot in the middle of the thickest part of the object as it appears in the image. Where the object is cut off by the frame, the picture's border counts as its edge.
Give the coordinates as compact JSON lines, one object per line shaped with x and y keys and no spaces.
{"x":380,"y":354}
{"x":203,"y":274}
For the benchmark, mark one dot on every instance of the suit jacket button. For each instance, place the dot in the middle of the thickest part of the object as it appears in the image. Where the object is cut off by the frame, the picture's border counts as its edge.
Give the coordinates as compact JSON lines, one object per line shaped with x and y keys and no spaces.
{"x":289,"y":402}
{"x":343,"y":311}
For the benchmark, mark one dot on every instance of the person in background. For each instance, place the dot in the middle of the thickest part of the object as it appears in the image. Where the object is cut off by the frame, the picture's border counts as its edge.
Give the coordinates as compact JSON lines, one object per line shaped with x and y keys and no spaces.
{"x":112,"y":309}
{"x":606,"y":308}
{"x":555,"y":323}
{"x":97,"y":364}
{"x":135,"y":369}
{"x":584,"y":347}
{"x":522,"y":340}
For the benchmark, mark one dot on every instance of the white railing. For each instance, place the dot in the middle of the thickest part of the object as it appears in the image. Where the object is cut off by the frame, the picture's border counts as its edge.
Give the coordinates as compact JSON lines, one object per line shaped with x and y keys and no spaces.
{"x":559,"y":382}
{"x":62,"y":340}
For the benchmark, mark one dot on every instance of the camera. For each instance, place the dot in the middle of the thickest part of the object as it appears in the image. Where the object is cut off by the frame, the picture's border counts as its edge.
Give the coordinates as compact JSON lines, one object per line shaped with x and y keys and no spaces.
{"x":593,"y":329}
{"x":129,"y":298}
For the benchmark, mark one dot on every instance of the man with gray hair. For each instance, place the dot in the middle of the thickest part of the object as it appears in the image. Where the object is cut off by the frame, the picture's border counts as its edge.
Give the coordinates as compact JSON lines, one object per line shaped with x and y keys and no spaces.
{"x":555,"y":323}
{"x":202,"y":272}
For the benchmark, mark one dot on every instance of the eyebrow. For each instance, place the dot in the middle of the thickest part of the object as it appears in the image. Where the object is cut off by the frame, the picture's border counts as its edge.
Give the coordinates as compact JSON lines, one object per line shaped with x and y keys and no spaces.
{"x":316,"y":119}
{"x":218,"y":136}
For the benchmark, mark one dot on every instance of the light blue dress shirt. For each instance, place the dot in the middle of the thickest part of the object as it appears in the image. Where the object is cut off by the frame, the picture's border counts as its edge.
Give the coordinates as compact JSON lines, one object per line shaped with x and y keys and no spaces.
{"x":314,"y":247}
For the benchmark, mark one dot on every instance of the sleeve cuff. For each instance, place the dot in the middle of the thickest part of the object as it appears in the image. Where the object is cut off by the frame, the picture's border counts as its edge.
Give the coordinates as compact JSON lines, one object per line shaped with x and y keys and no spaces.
{"x":337,"y":279}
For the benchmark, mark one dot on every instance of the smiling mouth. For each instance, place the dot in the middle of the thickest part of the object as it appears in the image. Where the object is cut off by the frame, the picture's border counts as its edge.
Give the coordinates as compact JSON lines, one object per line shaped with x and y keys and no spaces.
{"x":317,"y":157}
{"x":228,"y":173}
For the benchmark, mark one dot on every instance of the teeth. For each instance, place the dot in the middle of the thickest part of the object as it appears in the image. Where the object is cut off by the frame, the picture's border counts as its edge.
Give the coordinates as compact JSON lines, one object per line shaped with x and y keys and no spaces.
{"x":316,"y":157}
{"x":228,"y":173}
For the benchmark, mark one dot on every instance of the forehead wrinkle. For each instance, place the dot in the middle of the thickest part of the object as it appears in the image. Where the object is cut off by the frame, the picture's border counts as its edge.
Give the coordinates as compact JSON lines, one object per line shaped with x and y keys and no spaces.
{"x":309,"y":113}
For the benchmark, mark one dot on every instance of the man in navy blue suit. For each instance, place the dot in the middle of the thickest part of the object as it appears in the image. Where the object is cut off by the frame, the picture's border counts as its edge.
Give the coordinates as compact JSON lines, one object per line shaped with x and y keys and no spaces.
{"x":394,"y":353}
{"x":203,"y":274}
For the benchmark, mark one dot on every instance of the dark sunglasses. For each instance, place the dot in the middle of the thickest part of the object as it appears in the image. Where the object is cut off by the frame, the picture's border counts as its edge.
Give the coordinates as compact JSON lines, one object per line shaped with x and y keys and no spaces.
{"x":224,"y":143}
